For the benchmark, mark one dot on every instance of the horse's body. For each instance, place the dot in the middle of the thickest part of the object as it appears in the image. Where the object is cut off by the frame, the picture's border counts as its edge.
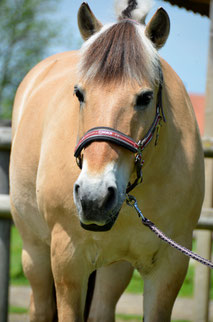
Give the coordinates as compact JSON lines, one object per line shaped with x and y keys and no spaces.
{"x":43,"y":171}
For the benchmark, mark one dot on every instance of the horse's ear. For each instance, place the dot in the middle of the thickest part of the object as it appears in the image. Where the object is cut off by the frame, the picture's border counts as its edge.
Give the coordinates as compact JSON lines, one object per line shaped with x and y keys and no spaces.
{"x":87,"y":22}
{"x":158,"y":28}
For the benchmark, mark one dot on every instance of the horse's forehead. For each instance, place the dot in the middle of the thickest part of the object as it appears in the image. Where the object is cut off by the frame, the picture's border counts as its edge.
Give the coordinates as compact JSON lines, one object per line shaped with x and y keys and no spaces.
{"x":116,"y":90}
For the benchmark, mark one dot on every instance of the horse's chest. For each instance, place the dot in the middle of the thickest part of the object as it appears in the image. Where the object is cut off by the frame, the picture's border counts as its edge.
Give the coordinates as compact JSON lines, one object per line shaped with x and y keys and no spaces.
{"x":139,"y":248}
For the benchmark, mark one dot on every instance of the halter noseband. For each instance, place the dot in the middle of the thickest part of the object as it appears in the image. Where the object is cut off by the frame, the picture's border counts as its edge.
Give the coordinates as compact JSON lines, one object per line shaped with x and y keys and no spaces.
{"x":110,"y":135}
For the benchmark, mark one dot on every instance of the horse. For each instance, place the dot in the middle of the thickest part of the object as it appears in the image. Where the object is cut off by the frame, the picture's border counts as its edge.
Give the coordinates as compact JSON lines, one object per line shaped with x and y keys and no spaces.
{"x":119,"y":110}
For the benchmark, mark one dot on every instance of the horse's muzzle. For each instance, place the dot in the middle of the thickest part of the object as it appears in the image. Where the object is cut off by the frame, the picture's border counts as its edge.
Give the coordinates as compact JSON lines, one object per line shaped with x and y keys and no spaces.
{"x":98,"y":203}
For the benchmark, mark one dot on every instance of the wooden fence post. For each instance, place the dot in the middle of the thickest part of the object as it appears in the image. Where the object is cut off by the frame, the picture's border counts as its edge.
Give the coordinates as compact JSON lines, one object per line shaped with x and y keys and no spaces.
{"x":5,"y":224}
{"x":204,"y":238}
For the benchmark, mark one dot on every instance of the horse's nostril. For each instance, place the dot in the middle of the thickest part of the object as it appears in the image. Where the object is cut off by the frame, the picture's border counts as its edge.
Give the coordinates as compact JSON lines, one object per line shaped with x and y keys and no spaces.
{"x":77,"y":188}
{"x":110,"y":198}
{"x":111,"y":192}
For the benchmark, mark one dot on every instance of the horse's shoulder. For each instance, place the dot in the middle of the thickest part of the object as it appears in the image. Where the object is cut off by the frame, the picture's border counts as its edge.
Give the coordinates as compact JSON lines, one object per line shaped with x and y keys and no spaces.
{"x":42,"y":69}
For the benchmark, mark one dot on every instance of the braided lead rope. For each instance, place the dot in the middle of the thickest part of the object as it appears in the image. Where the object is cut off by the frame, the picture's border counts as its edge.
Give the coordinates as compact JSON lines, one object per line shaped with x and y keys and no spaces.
{"x":132,"y":202}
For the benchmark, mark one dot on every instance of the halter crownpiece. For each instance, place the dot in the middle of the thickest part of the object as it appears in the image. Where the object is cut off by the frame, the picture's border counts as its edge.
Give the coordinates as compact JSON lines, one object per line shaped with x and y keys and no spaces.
{"x":111,"y":135}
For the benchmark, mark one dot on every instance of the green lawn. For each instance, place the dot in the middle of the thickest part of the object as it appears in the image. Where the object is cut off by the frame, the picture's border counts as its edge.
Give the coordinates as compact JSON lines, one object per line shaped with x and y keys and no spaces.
{"x":16,"y":273}
{"x":17,"y":310}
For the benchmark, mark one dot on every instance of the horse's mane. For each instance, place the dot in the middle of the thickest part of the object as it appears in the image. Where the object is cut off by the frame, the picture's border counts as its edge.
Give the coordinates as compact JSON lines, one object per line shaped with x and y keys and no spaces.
{"x":119,"y":52}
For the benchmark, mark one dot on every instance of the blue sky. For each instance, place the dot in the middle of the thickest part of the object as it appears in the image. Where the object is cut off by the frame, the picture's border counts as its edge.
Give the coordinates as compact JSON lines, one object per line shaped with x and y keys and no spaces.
{"x":186,"y":49}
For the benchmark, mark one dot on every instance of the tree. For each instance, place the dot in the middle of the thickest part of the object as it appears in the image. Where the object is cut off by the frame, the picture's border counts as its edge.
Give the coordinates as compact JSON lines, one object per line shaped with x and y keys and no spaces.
{"x":27,"y":29}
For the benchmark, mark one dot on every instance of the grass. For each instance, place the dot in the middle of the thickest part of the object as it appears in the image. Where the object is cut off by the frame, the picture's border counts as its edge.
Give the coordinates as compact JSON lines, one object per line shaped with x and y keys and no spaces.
{"x":17,"y":310}
{"x":16,"y":272}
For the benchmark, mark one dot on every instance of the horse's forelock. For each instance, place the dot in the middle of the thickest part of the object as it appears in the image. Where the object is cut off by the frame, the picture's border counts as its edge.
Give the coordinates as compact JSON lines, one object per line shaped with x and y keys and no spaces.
{"x":120,"y":53}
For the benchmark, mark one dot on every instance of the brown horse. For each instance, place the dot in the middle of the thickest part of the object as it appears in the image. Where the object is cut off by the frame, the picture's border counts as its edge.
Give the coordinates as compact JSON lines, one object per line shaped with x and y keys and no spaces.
{"x":74,"y":221}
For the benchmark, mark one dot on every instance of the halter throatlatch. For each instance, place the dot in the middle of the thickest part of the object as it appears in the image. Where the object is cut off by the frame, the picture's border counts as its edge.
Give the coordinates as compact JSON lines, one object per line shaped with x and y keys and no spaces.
{"x":110,"y":135}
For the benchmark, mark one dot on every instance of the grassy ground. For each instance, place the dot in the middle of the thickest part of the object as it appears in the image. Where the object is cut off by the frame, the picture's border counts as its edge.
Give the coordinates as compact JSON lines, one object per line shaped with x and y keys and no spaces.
{"x":16,"y":273}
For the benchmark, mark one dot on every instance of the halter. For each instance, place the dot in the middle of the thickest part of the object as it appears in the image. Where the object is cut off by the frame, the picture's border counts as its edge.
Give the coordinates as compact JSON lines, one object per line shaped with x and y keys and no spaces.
{"x":111,"y":135}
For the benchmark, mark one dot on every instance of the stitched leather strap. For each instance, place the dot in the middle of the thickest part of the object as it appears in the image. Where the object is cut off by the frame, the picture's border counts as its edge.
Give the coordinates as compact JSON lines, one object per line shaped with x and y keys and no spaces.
{"x":106,"y":134}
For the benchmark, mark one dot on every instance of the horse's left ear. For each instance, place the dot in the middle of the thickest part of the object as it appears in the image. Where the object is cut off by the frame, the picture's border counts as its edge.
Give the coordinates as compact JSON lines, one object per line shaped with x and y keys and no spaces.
{"x":158,"y":28}
{"x":87,"y":22}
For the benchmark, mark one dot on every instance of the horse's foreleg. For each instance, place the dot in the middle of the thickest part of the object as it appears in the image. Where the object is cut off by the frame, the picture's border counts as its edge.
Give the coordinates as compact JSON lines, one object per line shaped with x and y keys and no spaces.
{"x":110,"y":283}
{"x":71,"y":275}
{"x":37,"y":268}
{"x":162,"y":285}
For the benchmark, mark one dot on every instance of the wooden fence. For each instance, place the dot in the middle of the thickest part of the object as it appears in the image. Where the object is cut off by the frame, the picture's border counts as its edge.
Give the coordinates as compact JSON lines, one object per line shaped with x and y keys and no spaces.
{"x":205,"y":222}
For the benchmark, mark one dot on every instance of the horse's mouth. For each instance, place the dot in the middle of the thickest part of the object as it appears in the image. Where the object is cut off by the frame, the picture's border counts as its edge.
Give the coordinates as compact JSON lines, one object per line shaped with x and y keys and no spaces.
{"x":106,"y":227}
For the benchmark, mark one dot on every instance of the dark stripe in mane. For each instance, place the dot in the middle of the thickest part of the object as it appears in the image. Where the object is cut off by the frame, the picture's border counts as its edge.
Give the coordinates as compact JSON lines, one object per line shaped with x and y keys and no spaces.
{"x":117,"y":54}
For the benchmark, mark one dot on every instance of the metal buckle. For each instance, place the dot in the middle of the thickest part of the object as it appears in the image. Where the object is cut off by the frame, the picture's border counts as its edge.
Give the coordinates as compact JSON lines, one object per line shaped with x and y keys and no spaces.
{"x":132,"y":202}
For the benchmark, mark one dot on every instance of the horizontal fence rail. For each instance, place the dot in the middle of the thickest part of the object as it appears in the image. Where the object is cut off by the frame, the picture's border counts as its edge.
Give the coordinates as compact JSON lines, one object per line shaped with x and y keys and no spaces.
{"x":204,"y":222}
{"x":5,"y":210}
{"x":5,"y":138}
{"x":207,"y":147}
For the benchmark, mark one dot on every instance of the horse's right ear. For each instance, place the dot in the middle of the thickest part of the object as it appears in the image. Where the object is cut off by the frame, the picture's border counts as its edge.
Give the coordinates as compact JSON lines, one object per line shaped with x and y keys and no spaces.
{"x":87,"y":22}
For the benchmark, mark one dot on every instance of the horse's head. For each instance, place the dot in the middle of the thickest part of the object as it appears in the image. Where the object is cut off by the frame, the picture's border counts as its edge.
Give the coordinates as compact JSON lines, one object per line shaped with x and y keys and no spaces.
{"x":118,"y":87}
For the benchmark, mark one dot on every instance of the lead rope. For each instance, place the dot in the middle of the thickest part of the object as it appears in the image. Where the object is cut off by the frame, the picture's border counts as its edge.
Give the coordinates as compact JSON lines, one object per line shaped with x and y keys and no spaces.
{"x":132,"y":202}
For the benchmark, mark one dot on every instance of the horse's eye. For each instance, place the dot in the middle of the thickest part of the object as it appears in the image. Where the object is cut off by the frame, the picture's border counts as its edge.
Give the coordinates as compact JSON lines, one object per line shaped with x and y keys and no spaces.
{"x":78,"y":92}
{"x":144,"y":98}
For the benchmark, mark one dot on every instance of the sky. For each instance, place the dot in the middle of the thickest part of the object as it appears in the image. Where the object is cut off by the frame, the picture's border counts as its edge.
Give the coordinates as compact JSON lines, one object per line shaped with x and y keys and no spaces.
{"x":186,"y":49}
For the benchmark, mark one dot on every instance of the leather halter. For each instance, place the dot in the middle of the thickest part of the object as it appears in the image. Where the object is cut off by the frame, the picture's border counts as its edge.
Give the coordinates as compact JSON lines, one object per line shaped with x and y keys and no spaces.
{"x":111,"y":135}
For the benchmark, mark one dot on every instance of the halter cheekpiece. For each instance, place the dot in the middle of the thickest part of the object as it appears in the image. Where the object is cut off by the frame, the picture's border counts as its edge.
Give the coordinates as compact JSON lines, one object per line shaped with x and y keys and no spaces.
{"x":111,"y":135}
